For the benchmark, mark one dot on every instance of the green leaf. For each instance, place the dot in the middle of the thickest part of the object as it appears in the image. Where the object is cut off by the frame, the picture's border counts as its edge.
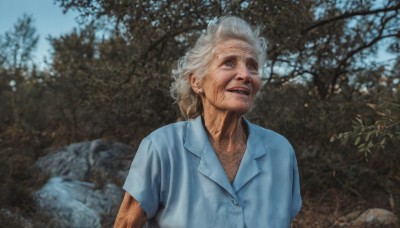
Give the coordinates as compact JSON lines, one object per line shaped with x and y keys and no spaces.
{"x":370,"y":144}
{"x":357,"y":141}
{"x":368,"y":136}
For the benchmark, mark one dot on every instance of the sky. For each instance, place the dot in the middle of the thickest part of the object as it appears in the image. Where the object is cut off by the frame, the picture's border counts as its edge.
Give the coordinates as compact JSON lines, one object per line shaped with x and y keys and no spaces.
{"x":48,"y":20}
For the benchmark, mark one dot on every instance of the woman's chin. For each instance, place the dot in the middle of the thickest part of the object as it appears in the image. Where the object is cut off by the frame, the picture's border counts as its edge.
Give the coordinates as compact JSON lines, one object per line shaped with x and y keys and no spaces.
{"x":240,"y":109}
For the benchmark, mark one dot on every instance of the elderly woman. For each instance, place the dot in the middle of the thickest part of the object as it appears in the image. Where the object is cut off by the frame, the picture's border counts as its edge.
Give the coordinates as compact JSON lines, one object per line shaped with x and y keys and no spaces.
{"x":216,"y":169}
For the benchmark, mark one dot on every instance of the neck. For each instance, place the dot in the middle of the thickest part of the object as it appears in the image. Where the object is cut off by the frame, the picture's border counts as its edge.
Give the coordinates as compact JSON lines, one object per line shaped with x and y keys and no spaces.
{"x":225,"y":130}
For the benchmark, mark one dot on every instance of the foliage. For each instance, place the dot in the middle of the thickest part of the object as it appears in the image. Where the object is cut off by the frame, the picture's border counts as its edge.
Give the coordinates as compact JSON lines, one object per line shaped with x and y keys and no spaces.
{"x":370,"y":137}
{"x":17,"y":48}
{"x":18,"y":44}
{"x":373,"y":129}
{"x":110,"y":78}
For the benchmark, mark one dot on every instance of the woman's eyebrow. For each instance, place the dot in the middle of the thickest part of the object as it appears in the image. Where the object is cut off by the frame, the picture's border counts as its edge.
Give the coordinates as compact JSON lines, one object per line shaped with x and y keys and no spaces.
{"x":225,"y":56}
{"x":252,"y":60}
{"x":228,"y":56}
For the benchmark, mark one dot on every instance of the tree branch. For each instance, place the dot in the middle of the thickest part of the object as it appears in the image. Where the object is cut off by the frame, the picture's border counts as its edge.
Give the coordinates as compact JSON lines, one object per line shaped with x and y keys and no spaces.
{"x":349,"y":15}
{"x":378,"y":38}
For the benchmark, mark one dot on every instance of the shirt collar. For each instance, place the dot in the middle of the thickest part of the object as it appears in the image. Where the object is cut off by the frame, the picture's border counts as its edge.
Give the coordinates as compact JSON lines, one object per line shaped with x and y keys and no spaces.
{"x":196,"y":142}
{"x":196,"y":139}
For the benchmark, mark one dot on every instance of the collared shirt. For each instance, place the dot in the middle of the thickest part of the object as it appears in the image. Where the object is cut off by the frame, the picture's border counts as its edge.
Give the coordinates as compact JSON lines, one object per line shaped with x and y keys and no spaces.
{"x":179,"y":182}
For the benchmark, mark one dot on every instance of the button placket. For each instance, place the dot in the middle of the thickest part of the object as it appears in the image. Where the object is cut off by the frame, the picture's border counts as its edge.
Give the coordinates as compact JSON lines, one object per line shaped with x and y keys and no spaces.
{"x":235,"y":202}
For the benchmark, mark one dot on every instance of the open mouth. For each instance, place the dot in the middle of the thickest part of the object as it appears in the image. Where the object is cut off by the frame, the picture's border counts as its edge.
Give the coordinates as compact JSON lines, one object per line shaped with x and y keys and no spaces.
{"x":239,"y":91}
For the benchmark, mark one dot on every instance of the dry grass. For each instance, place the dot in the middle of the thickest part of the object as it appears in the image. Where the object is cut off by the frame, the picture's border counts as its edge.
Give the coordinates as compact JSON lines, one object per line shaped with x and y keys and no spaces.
{"x":338,"y":207}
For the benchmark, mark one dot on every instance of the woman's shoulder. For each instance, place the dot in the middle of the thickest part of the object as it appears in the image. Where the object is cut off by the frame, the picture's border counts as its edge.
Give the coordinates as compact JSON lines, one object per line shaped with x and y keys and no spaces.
{"x":167,"y":131}
{"x":273,"y":142}
{"x":267,"y":134}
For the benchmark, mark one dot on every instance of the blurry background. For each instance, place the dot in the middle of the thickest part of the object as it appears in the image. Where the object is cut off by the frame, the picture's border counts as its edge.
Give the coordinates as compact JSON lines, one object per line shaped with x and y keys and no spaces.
{"x":48,"y":20}
{"x":102,"y":71}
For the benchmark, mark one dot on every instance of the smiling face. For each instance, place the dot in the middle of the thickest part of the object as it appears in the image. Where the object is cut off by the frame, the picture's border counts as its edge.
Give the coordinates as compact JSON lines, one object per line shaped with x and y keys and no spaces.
{"x":232,"y":80}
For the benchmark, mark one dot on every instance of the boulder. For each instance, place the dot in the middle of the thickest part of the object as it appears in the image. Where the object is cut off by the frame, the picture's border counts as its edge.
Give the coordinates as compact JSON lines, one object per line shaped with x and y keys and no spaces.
{"x":85,"y":183}
{"x":86,"y":160}
{"x":75,"y":203}
{"x":376,"y":217}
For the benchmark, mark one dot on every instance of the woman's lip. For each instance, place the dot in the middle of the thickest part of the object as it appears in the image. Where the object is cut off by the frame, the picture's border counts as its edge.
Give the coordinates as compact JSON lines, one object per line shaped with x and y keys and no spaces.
{"x":239,"y":88}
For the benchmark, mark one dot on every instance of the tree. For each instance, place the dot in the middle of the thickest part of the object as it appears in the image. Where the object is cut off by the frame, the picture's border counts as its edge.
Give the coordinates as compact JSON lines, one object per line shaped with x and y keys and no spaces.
{"x":143,"y":39}
{"x":19,"y":44}
{"x":110,"y":78}
{"x":17,"y":47}
{"x":329,"y":42}
{"x":129,"y":64}
{"x":367,"y":24}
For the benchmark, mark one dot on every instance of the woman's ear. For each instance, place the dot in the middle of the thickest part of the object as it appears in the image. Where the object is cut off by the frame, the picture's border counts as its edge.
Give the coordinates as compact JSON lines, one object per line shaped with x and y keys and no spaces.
{"x":196,"y":85}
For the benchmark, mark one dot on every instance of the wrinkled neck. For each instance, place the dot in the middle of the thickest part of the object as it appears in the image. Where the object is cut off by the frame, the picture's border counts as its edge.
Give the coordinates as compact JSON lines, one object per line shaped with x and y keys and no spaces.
{"x":225,"y":130}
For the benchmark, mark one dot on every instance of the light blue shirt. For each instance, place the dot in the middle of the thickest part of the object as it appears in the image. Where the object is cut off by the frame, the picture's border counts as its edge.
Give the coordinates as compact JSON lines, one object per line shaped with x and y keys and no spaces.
{"x":180,"y":183}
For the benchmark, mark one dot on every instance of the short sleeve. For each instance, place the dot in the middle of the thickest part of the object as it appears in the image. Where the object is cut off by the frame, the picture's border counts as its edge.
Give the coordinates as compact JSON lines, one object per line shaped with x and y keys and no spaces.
{"x":296,"y":196}
{"x":143,"y":180}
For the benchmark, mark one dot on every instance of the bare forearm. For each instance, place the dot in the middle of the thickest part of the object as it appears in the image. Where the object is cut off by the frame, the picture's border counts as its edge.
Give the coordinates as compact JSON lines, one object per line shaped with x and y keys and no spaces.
{"x":130,"y":214}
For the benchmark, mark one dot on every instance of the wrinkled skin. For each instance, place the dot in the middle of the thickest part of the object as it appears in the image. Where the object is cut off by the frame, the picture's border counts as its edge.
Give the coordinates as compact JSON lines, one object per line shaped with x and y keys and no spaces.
{"x":227,"y":92}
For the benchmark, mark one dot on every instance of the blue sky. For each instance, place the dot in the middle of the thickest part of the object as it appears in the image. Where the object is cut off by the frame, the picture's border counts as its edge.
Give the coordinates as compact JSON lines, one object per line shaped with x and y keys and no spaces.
{"x":48,"y":20}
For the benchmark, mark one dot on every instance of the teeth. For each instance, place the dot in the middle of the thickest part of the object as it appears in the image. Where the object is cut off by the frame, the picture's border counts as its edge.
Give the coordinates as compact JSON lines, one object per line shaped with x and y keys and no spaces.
{"x":240,"y":91}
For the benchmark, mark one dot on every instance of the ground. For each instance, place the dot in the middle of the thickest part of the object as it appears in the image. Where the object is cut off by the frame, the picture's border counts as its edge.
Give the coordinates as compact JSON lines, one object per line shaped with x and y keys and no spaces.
{"x":334,"y":207}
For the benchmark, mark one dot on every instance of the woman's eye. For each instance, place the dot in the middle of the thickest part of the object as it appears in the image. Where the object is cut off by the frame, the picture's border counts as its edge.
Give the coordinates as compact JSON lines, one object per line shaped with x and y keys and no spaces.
{"x":253,"y":67}
{"x":229,"y":63}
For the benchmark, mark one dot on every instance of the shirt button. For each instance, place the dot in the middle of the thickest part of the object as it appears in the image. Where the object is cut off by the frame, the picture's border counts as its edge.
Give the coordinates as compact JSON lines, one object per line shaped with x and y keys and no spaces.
{"x":236,"y":203}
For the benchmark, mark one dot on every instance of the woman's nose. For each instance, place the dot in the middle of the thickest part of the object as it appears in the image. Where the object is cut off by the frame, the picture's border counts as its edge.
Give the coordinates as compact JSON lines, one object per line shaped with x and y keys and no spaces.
{"x":243,"y":74}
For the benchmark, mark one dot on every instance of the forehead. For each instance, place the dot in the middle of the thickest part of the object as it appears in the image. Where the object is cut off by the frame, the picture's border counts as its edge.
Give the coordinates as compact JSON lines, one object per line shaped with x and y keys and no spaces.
{"x":236,"y":48}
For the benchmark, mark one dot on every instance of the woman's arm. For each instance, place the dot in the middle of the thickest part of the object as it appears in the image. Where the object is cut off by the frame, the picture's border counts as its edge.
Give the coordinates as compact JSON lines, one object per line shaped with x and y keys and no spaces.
{"x":130,"y":214}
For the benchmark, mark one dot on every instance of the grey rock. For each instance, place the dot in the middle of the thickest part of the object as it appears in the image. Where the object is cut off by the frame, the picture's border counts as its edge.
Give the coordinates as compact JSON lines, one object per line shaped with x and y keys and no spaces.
{"x":76,"y":203}
{"x":376,"y":217}
{"x":85,"y":183}
{"x":82,"y":161}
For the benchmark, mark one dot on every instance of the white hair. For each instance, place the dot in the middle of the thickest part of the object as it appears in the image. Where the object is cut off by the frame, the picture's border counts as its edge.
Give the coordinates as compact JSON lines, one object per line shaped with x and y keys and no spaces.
{"x":197,"y":59}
